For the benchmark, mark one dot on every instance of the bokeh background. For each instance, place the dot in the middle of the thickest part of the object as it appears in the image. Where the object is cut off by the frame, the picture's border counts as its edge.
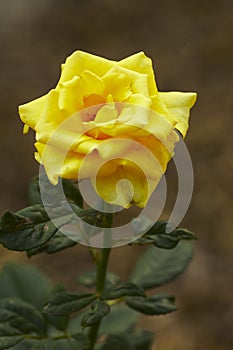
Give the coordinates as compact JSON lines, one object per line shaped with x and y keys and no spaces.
{"x":191,"y":44}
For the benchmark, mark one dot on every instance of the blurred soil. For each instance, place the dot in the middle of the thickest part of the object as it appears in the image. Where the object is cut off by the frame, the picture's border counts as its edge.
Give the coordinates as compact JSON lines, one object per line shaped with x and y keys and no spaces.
{"x":191,"y":44}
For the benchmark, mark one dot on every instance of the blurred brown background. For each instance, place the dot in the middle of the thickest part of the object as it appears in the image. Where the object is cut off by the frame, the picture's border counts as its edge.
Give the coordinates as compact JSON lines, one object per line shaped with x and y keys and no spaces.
{"x":191,"y":43}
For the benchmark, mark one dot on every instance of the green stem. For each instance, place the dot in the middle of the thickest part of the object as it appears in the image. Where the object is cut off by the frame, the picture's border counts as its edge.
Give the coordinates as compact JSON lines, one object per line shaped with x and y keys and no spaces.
{"x":102,"y":265}
{"x":102,"y":270}
{"x":100,"y":285}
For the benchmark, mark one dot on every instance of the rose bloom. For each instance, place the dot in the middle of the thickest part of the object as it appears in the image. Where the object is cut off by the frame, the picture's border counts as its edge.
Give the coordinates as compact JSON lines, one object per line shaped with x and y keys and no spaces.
{"x":106,"y":121}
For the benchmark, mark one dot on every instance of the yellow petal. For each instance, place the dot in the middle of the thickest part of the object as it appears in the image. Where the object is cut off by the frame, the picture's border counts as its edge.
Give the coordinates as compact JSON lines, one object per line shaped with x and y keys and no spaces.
{"x":179,"y":105}
{"x":50,"y":115}
{"x":30,"y":112}
{"x":126,"y":186}
{"x":25,"y":129}
{"x":140,"y":63}
{"x":80,"y":61}
{"x":162,"y":150}
{"x":92,"y":84}
{"x":57,"y":163}
{"x":68,"y":141}
{"x":140,"y":100}
{"x":137,"y":83}
{"x":107,"y":114}
{"x":70,"y":95}
{"x":117,"y":84}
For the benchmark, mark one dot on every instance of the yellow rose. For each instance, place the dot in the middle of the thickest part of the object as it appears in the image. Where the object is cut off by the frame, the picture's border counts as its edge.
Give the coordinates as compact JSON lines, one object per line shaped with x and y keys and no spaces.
{"x":106,"y":120}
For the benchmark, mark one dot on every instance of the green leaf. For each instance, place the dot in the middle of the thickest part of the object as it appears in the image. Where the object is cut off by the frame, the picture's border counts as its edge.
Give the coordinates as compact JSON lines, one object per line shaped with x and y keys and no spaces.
{"x":44,"y":344}
{"x":140,"y":339}
{"x":116,"y":342}
{"x":120,"y":319}
{"x":55,"y":244}
{"x":158,"y":266}
{"x":21,"y":315}
{"x":6,"y":330}
{"x":153,"y":305}
{"x":66,"y":303}
{"x":27,"y":229}
{"x":157,"y":235}
{"x":99,"y":309}
{"x":60,"y":322}
{"x":37,"y":344}
{"x":9,"y":342}
{"x":79,"y":341}
{"x":89,"y":279}
{"x":24,"y":282}
{"x":122,"y":289}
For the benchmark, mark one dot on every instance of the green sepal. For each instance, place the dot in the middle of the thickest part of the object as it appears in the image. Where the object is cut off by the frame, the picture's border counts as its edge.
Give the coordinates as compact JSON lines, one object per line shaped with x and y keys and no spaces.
{"x":152,"y":305}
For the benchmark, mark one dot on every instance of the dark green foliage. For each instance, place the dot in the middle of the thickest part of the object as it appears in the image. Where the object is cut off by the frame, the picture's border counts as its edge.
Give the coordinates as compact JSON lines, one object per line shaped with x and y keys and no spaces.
{"x":116,"y":342}
{"x":158,"y":236}
{"x":63,"y":303}
{"x":61,"y":321}
{"x":140,"y":339}
{"x":122,"y":289}
{"x":9,"y":341}
{"x":99,"y":309}
{"x":35,"y":316}
{"x":26,"y":283}
{"x":27,"y":229}
{"x":21,"y":315}
{"x":55,"y":244}
{"x":153,"y":305}
{"x":79,"y":341}
{"x":158,"y":266}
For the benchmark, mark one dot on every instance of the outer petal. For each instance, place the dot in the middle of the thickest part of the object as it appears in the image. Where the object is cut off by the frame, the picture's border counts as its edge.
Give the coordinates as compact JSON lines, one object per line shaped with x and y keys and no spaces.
{"x":140,"y":63}
{"x":179,"y":105}
{"x":138,"y":173}
{"x":68,"y":141}
{"x":30,"y":112}
{"x":127,"y":185}
{"x":80,"y":61}
{"x":50,"y":115}
{"x":70,"y":95}
{"x":70,"y":165}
